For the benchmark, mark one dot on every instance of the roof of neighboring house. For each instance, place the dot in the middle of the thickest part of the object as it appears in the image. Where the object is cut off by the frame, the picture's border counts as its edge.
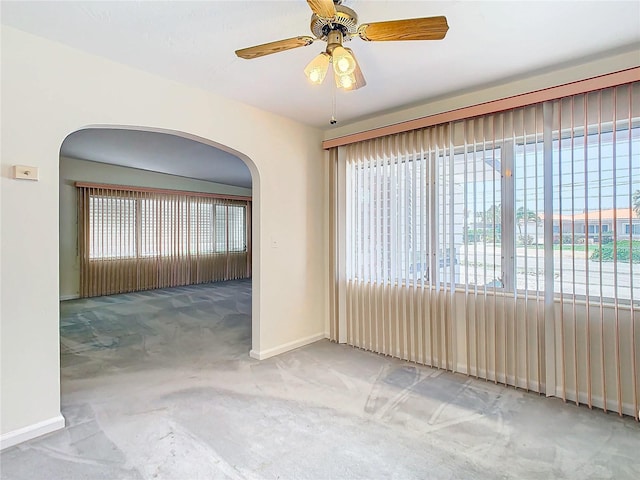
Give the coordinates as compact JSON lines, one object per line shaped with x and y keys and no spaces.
{"x":608,"y":214}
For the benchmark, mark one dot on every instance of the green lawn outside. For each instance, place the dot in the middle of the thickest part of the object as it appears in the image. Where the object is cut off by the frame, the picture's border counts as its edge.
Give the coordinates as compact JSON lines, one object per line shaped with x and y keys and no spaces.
{"x":623,"y":252}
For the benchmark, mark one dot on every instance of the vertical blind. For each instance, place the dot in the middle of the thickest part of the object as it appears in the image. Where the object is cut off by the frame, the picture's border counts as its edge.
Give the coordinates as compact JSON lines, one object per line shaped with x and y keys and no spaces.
{"x":140,"y":239}
{"x":505,"y":246}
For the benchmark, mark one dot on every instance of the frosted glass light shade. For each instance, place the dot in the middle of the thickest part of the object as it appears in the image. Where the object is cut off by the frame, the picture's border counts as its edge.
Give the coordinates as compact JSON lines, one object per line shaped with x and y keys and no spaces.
{"x":316,"y":70}
{"x":343,"y":61}
{"x":346,"y":81}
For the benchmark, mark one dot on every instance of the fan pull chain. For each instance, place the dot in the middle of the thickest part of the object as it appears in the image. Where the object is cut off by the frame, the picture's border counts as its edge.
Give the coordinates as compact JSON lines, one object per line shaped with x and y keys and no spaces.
{"x":333,"y":120}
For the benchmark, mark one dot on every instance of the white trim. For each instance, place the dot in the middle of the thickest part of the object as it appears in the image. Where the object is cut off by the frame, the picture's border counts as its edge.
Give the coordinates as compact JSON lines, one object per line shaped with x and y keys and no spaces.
{"x":32,"y":431}
{"x":63,"y":298}
{"x":272,"y":352}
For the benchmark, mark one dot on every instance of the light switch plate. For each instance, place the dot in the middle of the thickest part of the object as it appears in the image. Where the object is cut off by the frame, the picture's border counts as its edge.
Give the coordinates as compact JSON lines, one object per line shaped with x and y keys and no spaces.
{"x":23,"y":172}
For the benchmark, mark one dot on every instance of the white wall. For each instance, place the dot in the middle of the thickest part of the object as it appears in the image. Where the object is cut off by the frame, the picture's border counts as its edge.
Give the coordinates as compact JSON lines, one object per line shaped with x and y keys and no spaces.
{"x":74,"y":170}
{"x":50,"y":91}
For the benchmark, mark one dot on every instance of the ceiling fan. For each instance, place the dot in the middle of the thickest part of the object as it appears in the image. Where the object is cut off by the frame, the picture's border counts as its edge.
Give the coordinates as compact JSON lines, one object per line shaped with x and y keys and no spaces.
{"x":334,"y":23}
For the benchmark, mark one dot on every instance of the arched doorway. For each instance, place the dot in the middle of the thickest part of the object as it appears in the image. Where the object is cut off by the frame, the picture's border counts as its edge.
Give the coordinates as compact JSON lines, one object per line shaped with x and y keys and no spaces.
{"x":107,"y":154}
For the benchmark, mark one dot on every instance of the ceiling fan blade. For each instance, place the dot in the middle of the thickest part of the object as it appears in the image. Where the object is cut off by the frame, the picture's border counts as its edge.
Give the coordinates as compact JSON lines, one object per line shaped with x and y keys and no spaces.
{"x":430,"y":28}
{"x":357,"y":73}
{"x":274,"y":47}
{"x":323,"y":8}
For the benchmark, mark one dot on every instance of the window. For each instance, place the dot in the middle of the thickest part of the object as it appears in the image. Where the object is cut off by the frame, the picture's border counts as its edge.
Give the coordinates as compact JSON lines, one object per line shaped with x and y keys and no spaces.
{"x":470,"y":217}
{"x":201,"y":240}
{"x":596,"y":152}
{"x":230,"y":228}
{"x":164,"y":227}
{"x":236,"y":221}
{"x":528,"y":210}
{"x":628,"y":230}
{"x":150,"y":226}
{"x":113,"y":227}
{"x":519,"y":201}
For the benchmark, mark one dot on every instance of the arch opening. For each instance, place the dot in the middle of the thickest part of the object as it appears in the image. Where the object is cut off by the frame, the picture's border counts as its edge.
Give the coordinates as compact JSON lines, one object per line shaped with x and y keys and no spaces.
{"x":117,"y":139}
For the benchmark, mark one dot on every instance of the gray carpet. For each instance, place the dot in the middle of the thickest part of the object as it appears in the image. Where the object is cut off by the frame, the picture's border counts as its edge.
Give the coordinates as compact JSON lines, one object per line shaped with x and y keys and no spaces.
{"x":159,"y":385}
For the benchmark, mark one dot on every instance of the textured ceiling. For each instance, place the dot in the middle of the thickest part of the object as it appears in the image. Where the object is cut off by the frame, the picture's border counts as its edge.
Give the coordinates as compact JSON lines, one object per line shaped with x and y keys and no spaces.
{"x":194,"y":43}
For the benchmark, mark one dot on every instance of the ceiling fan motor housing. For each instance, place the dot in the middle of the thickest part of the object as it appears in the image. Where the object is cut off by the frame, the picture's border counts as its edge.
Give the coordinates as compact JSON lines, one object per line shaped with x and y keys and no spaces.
{"x":345,"y":21}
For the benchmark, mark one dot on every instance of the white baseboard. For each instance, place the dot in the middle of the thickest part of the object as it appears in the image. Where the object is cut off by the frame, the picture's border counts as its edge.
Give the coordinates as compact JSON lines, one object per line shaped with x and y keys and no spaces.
{"x":20,"y":435}
{"x":69,"y":297}
{"x":272,"y":352}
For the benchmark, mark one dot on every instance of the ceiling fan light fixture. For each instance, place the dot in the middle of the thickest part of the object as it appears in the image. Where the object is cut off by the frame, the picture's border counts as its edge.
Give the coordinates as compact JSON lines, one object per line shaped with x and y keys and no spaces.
{"x":343,"y":62}
{"x":316,"y":70}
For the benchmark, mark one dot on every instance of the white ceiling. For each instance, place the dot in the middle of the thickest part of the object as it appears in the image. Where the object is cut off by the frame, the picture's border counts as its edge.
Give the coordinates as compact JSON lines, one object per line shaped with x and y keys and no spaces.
{"x":194,"y":43}
{"x":157,"y":152}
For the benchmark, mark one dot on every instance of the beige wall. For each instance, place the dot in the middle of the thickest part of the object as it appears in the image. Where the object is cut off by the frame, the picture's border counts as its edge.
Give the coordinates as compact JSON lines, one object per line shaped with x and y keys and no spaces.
{"x":73,"y":170}
{"x":50,"y":91}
